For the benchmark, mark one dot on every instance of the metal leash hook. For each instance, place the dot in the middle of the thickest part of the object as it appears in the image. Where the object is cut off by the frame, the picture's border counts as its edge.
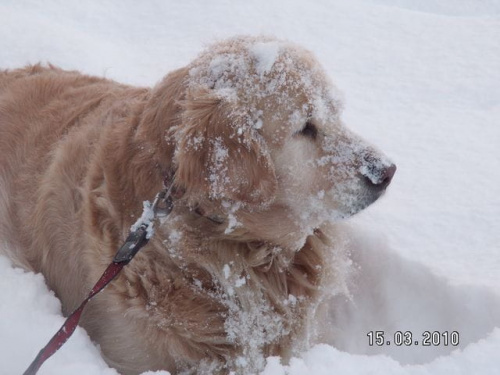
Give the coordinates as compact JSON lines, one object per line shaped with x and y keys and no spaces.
{"x":162,"y":206}
{"x":165,"y":197}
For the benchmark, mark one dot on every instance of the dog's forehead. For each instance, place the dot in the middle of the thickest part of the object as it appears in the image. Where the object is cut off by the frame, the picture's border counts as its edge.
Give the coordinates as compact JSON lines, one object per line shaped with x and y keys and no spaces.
{"x":271,"y":80}
{"x":259,"y":67}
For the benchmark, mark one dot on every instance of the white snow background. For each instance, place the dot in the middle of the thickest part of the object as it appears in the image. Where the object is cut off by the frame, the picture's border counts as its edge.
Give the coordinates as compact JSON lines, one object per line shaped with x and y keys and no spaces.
{"x":421,"y":80}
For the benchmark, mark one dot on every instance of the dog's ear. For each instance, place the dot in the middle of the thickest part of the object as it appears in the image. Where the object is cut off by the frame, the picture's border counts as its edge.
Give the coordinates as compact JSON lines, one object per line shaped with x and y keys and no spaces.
{"x":220,"y":153}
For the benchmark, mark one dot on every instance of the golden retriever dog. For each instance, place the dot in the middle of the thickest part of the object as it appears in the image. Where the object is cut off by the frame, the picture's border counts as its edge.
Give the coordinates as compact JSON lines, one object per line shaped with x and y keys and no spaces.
{"x":251,"y":137}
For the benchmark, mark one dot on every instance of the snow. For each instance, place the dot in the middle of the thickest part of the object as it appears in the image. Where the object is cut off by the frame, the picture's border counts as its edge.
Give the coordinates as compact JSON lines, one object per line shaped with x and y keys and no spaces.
{"x":227,"y":271}
{"x":240,"y":282}
{"x":147,"y":218}
{"x":231,"y":209}
{"x":419,"y":80}
{"x":478,"y":358}
{"x":218,"y":176}
{"x":30,"y":315}
{"x":265,"y":53}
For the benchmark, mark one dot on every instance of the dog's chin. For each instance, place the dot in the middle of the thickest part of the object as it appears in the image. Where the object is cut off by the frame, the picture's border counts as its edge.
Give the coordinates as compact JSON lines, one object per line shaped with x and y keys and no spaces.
{"x":319,"y":212}
{"x":368,"y":199}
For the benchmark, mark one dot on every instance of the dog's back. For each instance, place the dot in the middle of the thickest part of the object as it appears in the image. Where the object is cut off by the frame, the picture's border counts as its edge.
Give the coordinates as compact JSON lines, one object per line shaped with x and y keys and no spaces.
{"x":22,"y":93}
{"x":50,"y":120}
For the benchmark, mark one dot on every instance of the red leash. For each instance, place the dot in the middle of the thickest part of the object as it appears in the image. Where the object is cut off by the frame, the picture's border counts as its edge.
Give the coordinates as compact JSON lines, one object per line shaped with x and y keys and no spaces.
{"x":134,"y":242}
{"x":71,"y":322}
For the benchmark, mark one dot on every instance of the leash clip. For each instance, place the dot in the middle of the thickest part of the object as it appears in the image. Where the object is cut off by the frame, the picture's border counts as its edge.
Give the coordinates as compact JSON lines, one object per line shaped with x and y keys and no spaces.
{"x":163,"y":203}
{"x":134,"y":242}
{"x":161,"y":207}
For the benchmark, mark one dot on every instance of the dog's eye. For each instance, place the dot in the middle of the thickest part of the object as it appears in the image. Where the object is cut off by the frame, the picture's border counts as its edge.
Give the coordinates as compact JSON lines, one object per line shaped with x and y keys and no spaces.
{"x":309,"y":130}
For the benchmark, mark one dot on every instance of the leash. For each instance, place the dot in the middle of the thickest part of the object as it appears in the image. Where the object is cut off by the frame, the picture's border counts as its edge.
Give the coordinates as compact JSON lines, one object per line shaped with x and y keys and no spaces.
{"x":135,"y":241}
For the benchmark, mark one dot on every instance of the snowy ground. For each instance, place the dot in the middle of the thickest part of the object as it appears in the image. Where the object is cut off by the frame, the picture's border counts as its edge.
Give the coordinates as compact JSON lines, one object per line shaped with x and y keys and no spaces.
{"x":420,"y":79}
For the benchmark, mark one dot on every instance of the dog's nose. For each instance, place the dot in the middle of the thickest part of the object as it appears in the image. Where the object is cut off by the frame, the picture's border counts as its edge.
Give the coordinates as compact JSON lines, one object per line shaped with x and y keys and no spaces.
{"x":387,"y":175}
{"x":379,"y":176}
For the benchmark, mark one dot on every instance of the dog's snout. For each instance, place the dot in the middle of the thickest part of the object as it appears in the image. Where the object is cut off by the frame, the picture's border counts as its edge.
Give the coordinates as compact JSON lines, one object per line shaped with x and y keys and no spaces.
{"x":379,"y":175}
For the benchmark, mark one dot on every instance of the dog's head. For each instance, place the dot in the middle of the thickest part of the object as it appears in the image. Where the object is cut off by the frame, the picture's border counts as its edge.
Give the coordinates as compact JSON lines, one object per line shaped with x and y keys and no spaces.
{"x":261,"y":133}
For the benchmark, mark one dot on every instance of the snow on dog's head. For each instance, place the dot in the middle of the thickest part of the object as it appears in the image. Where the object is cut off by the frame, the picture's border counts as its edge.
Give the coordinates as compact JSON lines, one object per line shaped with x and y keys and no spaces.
{"x":261,"y":128}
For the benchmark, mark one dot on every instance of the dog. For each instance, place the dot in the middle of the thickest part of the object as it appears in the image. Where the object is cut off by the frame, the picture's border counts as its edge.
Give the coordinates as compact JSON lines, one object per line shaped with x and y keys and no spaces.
{"x":250,"y":137}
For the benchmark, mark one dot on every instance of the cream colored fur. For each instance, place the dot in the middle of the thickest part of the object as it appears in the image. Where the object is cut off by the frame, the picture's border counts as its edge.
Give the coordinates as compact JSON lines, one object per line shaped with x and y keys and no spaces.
{"x":237,"y":271}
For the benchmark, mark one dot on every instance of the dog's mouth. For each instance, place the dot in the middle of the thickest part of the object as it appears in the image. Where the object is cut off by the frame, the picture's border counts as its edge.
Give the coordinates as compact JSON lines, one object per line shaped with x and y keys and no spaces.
{"x":338,"y":204}
{"x":349,"y":198}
